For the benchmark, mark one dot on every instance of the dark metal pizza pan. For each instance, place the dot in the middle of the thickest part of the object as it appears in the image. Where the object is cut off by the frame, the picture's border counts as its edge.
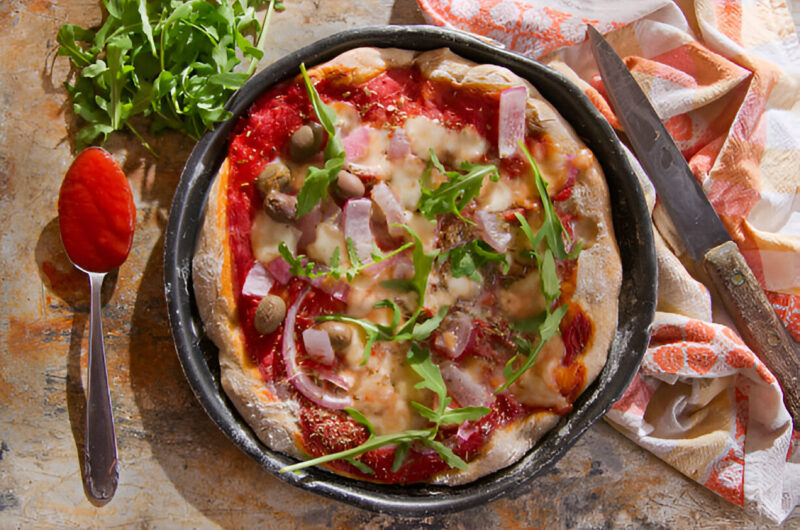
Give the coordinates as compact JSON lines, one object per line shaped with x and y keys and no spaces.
{"x":632,"y":226}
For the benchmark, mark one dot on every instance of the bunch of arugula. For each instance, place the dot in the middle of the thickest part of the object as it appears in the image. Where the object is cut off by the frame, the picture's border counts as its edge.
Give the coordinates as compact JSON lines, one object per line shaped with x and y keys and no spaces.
{"x":170,"y":60}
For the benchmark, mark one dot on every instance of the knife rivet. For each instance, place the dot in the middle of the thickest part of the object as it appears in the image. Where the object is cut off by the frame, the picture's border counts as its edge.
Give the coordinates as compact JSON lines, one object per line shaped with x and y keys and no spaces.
{"x":773,"y":340}
{"x":737,"y":279}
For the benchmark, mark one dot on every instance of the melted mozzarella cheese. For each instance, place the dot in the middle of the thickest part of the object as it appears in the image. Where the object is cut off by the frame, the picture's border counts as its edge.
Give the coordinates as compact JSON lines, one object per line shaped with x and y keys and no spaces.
{"x":523,"y":298}
{"x":450,"y":146}
{"x":329,"y":237}
{"x":267,"y":234}
{"x":537,"y":387}
{"x":383,"y":388}
{"x":496,"y":196}
{"x":405,"y":180}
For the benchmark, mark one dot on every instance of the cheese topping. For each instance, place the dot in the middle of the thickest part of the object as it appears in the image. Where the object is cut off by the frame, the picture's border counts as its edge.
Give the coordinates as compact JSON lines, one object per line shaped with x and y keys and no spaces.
{"x":384,"y":387}
{"x":481,"y":278}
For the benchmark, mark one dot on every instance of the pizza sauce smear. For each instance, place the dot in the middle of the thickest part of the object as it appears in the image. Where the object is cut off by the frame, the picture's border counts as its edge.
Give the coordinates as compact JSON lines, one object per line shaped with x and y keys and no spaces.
{"x":388,"y":99}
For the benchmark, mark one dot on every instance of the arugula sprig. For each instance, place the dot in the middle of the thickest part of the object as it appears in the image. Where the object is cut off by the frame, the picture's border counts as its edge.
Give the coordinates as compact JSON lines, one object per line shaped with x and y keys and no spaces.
{"x":459,"y":189}
{"x":552,"y":229}
{"x":414,"y":328}
{"x":170,"y":60}
{"x":318,"y":180}
{"x":469,"y":258}
{"x":419,"y":360}
{"x":546,"y":324}
{"x":301,"y":265}
{"x":423,"y":264}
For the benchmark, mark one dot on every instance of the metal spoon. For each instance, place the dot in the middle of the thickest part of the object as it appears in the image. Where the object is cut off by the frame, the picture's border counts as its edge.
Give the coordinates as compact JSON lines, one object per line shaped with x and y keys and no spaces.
{"x":96,"y":219}
{"x":101,"y":473}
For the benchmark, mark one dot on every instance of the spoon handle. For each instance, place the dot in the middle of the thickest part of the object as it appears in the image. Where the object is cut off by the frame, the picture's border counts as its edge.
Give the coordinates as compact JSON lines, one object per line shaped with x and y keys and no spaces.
{"x":100,"y":471}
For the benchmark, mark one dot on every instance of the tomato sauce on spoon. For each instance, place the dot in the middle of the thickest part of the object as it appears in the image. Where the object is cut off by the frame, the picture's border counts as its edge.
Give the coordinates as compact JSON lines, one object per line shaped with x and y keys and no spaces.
{"x":96,"y":212}
{"x":96,"y":217}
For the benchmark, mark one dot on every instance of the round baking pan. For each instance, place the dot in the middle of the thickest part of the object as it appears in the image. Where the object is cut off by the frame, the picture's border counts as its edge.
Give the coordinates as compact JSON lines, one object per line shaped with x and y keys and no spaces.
{"x":632,"y":226}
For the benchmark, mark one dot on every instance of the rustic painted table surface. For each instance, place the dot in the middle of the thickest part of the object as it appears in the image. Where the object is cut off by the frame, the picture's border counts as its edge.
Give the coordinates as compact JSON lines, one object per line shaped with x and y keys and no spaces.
{"x":176,"y":467}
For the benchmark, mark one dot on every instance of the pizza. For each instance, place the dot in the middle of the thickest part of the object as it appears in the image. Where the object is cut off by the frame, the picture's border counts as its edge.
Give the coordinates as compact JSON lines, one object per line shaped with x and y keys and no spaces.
{"x":407,"y":262}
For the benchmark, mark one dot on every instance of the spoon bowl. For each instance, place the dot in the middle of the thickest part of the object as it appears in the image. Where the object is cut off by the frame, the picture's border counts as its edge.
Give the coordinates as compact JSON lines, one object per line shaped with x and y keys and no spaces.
{"x":96,"y":219}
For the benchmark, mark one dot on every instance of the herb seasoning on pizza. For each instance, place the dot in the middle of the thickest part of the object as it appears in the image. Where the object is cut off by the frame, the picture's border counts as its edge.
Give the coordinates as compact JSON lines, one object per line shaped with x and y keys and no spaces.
{"x":407,"y":263}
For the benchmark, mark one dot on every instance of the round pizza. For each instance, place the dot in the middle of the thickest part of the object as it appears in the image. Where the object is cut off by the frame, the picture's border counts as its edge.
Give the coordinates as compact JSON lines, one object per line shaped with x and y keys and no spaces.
{"x":408,"y":264}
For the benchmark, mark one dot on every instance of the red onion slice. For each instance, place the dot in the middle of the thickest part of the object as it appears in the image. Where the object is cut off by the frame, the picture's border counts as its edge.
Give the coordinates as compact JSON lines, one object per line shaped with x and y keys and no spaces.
{"x":279,"y":270}
{"x":356,"y":227}
{"x":338,"y":289}
{"x":494,"y":230}
{"x":392,"y":209}
{"x":454,"y":334}
{"x":258,"y":281}
{"x":318,"y":346}
{"x":356,"y":144}
{"x":300,"y":380}
{"x":308,"y":223}
{"x":399,"y":146}
{"x":333,"y":378}
{"x":464,"y":389}
{"x":466,"y":430}
{"x":511,"y":121}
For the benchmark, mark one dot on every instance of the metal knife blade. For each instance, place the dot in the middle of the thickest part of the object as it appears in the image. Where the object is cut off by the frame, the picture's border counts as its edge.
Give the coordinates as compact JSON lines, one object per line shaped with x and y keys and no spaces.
{"x":700,"y":228}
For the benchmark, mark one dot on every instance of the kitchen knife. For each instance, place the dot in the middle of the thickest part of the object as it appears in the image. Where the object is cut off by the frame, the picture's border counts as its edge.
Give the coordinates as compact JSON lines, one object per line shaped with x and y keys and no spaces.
{"x":701,"y":230}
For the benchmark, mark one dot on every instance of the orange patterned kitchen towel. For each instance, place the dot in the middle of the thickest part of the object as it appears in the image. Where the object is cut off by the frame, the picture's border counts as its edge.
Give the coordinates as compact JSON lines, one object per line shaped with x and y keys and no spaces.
{"x":724,"y":75}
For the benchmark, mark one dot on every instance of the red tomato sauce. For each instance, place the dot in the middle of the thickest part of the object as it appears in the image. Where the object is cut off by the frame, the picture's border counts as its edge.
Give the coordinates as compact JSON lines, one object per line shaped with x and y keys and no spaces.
{"x":390,"y":98}
{"x":96,"y":213}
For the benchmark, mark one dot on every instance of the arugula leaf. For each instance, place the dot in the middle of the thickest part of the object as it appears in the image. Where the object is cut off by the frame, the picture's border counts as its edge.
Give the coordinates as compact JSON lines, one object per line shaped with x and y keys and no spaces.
{"x":547,"y":323}
{"x":315,"y":186}
{"x":400,"y":454}
{"x":373,"y":442}
{"x":547,"y":329}
{"x":551,"y":286}
{"x":530,"y":324}
{"x":419,"y":359}
{"x":423,"y":264}
{"x":459,"y":189}
{"x":552,"y":229}
{"x":447,"y":454}
{"x":469,"y":258}
{"x":423,"y":330}
{"x":171,"y":61}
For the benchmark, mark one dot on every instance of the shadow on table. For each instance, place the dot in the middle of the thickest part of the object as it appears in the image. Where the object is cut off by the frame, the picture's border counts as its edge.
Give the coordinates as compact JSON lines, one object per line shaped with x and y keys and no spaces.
{"x":61,"y":278}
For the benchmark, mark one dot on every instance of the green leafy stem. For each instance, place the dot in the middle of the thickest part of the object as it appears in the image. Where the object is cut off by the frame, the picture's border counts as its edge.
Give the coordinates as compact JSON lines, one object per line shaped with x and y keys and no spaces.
{"x":419,"y":360}
{"x":318,"y":180}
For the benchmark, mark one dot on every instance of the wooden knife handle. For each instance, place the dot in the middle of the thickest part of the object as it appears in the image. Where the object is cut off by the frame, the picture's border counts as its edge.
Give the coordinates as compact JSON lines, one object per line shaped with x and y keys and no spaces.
{"x":754,"y":316}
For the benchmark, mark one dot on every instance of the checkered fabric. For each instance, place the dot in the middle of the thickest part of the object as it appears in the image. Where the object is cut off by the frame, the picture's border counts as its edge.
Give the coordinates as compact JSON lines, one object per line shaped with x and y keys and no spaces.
{"x":724,"y":75}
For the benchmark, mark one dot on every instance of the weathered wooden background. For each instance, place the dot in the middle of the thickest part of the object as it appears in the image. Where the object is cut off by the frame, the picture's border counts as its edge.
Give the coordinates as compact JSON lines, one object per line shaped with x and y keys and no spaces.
{"x":177,"y":468}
